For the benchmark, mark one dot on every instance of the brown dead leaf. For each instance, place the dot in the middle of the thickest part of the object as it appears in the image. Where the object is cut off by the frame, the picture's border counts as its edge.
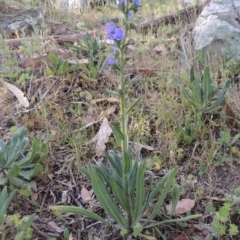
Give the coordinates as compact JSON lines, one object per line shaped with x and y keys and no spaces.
{"x":183,"y":206}
{"x":86,"y":196}
{"x":102,"y":137}
{"x":185,"y":235}
{"x":18,"y":94}
{"x":147,"y":72}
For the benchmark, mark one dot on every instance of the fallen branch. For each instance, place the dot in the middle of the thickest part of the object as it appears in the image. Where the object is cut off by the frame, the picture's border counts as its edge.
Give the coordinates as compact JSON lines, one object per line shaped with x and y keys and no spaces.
{"x":184,"y":15}
{"x":60,"y":39}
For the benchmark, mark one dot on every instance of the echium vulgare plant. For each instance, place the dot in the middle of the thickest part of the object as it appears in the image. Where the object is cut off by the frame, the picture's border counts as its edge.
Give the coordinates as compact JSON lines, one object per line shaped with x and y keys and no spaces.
{"x":121,"y":189}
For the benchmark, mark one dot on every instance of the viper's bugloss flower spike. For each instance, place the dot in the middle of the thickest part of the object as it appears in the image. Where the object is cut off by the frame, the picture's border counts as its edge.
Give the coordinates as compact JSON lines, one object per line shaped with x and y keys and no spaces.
{"x":130,"y":14}
{"x":137,"y":3}
{"x":118,"y":34}
{"x":111,"y":60}
{"x":114,"y":33}
{"x":121,"y":1}
{"x":111,"y":27}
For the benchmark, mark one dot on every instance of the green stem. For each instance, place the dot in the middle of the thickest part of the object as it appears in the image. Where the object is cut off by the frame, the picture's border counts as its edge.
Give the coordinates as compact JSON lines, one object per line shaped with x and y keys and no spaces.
{"x":124,"y":130}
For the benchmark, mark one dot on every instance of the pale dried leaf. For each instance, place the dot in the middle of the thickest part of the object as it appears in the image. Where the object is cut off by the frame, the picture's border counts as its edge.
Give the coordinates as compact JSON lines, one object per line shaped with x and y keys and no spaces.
{"x":107,"y":112}
{"x":71,"y":237}
{"x":160,"y":48}
{"x":86,"y":196}
{"x":64,"y":196}
{"x":102,"y":137}
{"x":55,"y":227}
{"x":80,"y":61}
{"x":111,"y":100}
{"x":34,"y":185}
{"x":90,"y":124}
{"x":183,"y":206}
{"x":139,"y":146}
{"x":18,"y":94}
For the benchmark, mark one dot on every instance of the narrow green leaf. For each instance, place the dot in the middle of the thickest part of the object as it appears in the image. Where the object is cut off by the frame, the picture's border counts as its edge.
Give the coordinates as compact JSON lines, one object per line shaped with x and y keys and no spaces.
{"x":188,"y":97}
{"x":176,"y":192}
{"x":220,"y":98}
{"x":115,"y":162}
{"x":29,"y":174}
{"x":172,"y":221}
{"x":159,"y":185}
{"x":94,"y":72}
{"x":164,"y":192}
{"x":54,"y":59}
{"x":197,"y":92}
{"x":235,"y":138}
{"x":207,"y":86}
{"x":133,"y":178}
{"x":104,"y":173}
{"x":127,"y":162}
{"x":14,"y":172}
{"x":4,"y":202}
{"x":134,"y":104}
{"x":81,"y":212}
{"x":117,"y":178}
{"x":140,"y":193}
{"x":105,"y":199}
{"x":192,"y":76}
{"x":117,"y":133}
{"x":84,"y":170}
{"x":18,"y":182}
{"x":118,"y":193}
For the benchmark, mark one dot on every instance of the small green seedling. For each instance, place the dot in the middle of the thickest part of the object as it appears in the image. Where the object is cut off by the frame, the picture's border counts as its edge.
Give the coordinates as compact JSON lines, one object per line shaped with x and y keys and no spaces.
{"x":60,"y":67}
{"x":222,"y":224}
{"x":190,"y":130}
{"x":88,"y":45}
{"x":22,"y":226}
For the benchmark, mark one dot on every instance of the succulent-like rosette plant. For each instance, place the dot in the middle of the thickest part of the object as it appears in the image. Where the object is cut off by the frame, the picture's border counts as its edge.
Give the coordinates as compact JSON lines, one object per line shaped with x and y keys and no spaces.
{"x":17,"y":167}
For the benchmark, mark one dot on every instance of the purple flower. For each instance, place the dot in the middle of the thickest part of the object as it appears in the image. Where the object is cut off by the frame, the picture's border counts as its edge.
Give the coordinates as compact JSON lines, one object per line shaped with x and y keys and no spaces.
{"x":121,"y":1}
{"x":118,"y":34}
{"x":114,"y":33}
{"x":137,"y":3}
{"x":111,"y":27}
{"x":130,"y":14}
{"x":111,"y":61}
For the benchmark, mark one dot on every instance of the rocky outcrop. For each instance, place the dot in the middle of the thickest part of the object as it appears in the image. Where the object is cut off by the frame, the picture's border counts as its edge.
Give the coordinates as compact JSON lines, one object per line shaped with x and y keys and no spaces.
{"x":185,"y":3}
{"x":19,"y":21}
{"x":218,"y":28}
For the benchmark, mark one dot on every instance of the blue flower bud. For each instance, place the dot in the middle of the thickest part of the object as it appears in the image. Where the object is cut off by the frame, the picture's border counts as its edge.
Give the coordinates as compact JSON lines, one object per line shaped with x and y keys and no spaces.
{"x":111,"y":61}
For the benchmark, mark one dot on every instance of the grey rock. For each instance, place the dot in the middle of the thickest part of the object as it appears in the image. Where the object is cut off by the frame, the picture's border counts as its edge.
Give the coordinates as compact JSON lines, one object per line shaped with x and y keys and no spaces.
{"x":218,"y":28}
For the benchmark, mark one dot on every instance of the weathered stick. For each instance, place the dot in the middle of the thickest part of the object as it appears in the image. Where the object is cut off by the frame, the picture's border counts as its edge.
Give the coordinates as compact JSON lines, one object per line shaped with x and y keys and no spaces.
{"x":183,"y":14}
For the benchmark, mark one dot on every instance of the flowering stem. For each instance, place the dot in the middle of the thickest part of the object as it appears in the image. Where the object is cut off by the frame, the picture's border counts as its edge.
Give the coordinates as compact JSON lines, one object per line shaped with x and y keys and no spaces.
{"x":124,"y":130}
